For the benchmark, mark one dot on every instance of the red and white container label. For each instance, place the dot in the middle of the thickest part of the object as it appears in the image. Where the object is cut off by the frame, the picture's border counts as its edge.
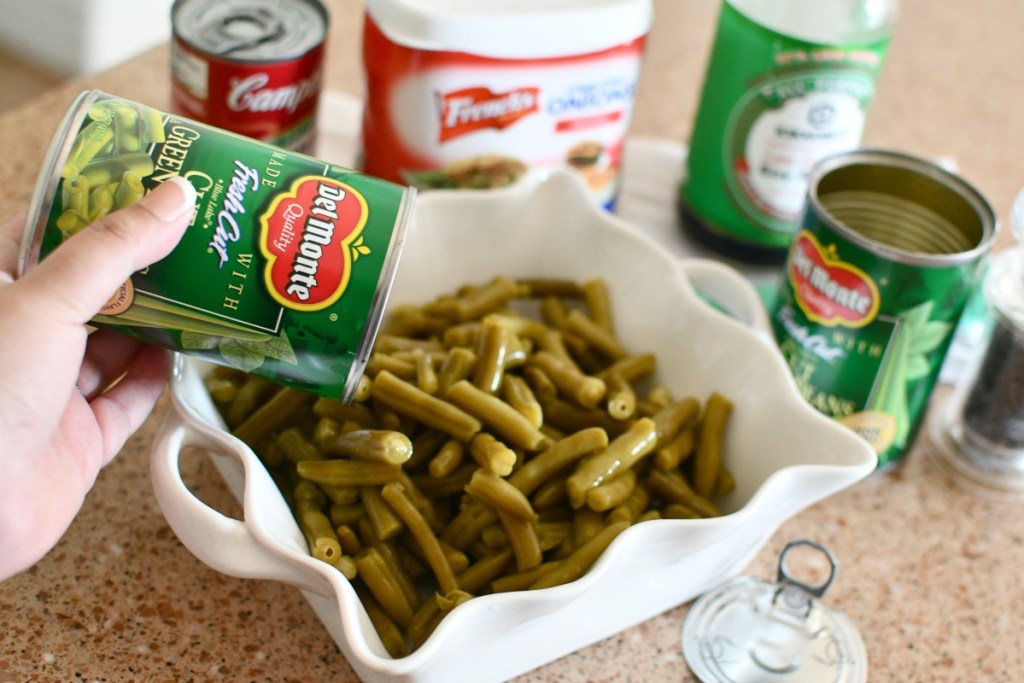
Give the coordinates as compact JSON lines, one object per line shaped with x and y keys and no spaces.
{"x":275,"y":102}
{"x":436,"y":118}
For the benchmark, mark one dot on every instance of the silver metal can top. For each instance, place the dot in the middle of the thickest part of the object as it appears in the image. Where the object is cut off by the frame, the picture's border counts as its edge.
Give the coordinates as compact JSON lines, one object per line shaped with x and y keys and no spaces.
{"x":250,"y":30}
{"x":748,"y":630}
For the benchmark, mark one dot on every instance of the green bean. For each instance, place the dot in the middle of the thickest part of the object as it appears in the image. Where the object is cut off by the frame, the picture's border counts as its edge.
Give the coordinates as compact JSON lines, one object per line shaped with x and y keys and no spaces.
{"x":247,"y":399}
{"x":447,"y":459}
{"x":348,"y":472}
{"x":386,"y":524}
{"x":521,"y":581}
{"x":341,"y":495}
{"x":348,"y":539}
{"x":581,"y":559}
{"x":346,"y":514}
{"x":710,"y":439}
{"x":334,"y":409}
{"x":380,"y":362}
{"x":500,"y":494}
{"x":297,"y":447}
{"x":630,"y":509}
{"x":378,"y":445}
{"x":553,"y":311}
{"x":457,"y":365}
{"x":426,"y":376}
{"x":449,"y":485}
{"x":283,"y":406}
{"x":551,"y":287}
{"x":607,"y":495}
{"x":492,"y":352}
{"x":725,"y":483}
{"x":402,"y":567}
{"x":596,"y":336}
{"x":492,"y":454}
{"x":670,"y":455}
{"x":485,"y":570}
{"x":595,"y":293}
{"x":549,"y":494}
{"x":409,"y":400}
{"x":522,"y":538}
{"x":621,"y":398}
{"x":672,"y":486}
{"x":496,"y":414}
{"x":394,"y":494}
{"x":517,"y":393}
{"x":390,"y":634}
{"x":680,"y":511}
{"x":584,"y":390}
{"x":675,"y":416}
{"x":631,"y":368}
{"x":480,"y":300}
{"x":620,"y":455}
{"x":378,"y":577}
{"x":557,"y":457}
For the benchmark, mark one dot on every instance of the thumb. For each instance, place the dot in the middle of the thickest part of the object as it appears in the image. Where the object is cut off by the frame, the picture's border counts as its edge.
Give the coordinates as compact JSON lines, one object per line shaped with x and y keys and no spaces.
{"x":78,"y":278}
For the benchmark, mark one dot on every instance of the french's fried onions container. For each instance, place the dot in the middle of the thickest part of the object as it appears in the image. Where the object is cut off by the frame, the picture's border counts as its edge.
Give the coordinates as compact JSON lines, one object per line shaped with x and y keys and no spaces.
{"x":464,"y":94}
{"x":284,"y":270}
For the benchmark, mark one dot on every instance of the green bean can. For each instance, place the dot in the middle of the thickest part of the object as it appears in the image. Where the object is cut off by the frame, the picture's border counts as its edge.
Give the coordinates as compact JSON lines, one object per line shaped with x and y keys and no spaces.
{"x":886,"y":252}
{"x":285,"y":268}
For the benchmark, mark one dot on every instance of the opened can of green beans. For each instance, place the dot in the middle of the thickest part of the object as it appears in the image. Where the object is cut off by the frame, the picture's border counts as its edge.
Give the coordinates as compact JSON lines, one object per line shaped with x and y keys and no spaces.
{"x":883,"y":260}
{"x":285,"y":269}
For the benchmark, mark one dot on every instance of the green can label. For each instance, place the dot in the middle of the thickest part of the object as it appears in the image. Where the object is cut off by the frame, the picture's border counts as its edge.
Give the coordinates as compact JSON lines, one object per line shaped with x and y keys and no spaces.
{"x":865,"y":326}
{"x":285,"y":267}
{"x":771,"y":107}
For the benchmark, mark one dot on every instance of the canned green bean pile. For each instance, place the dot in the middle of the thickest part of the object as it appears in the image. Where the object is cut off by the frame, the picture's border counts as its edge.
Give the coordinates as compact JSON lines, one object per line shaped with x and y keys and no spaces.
{"x":885,"y":256}
{"x":284,"y":270}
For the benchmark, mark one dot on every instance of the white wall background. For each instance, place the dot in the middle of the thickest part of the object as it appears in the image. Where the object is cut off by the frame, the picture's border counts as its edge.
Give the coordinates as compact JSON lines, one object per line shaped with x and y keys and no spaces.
{"x":80,"y":37}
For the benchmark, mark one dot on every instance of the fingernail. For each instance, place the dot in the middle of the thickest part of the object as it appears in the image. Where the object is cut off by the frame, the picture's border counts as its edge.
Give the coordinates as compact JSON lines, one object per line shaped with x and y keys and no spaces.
{"x":171,"y":199}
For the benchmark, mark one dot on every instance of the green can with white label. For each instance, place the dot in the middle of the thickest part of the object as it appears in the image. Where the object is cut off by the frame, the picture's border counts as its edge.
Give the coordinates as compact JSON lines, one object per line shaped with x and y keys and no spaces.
{"x":285,"y":269}
{"x":788,"y":83}
{"x":887,"y":251}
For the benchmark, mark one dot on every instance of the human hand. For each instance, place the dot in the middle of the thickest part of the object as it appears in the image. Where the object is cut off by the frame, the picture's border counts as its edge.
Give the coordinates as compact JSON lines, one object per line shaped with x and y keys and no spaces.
{"x":68,"y":399}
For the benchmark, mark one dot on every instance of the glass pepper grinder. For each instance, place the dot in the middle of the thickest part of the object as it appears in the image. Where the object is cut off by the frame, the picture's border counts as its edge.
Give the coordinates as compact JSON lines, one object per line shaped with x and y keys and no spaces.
{"x":978,"y":434}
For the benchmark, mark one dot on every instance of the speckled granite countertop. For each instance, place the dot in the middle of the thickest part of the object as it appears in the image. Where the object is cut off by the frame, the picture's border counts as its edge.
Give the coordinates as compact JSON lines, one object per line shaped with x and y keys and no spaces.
{"x":930,"y":575}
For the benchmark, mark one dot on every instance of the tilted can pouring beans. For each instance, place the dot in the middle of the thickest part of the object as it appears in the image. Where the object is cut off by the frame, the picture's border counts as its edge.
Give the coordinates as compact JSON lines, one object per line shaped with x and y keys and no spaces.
{"x":285,"y":268}
{"x":879,"y":271}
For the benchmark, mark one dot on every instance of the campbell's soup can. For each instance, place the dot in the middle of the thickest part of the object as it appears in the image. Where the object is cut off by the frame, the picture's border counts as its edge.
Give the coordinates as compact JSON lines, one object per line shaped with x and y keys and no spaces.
{"x":252,"y":67}
{"x":285,"y":269}
{"x":476,"y":99}
{"x":881,"y":265}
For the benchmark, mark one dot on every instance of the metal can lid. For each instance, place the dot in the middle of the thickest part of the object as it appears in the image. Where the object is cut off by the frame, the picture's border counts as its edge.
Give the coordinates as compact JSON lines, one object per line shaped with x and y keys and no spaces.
{"x":749,"y":630}
{"x":250,"y":30}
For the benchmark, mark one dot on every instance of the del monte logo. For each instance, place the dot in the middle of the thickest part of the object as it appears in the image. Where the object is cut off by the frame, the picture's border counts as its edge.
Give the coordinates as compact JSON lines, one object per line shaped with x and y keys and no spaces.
{"x":311,"y":235}
{"x":826,"y":289}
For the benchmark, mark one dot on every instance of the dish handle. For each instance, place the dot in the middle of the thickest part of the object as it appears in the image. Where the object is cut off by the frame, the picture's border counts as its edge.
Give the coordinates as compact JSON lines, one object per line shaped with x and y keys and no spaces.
{"x":225,"y":544}
{"x":730,"y":291}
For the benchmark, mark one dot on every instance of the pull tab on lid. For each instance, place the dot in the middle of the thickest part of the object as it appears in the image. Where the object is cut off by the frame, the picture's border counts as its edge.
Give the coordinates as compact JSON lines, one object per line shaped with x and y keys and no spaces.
{"x":749,"y":630}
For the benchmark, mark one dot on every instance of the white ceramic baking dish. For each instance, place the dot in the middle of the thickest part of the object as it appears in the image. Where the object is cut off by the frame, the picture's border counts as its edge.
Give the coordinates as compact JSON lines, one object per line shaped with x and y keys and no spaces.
{"x":784,"y":454}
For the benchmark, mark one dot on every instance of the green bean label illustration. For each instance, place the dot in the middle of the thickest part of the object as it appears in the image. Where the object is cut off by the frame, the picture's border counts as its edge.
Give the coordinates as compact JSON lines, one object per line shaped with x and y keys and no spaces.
{"x":285,"y":267}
